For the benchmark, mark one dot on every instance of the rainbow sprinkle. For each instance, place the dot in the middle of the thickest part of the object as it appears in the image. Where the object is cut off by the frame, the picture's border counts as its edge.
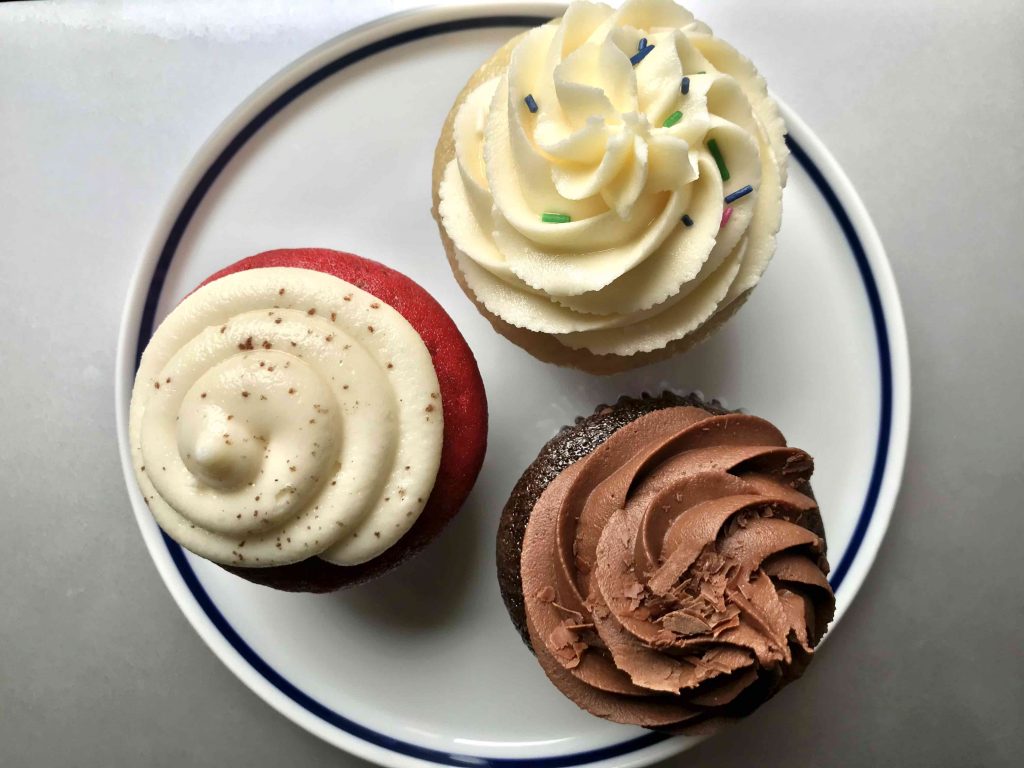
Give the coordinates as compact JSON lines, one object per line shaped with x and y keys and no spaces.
{"x":726,"y":215}
{"x":738,"y":194}
{"x":684,"y":87}
{"x":556,"y":218}
{"x":531,"y":102}
{"x":640,"y":55}
{"x":687,"y":220}
{"x":719,"y":160}
{"x":672,"y":119}
{"x":642,"y":44}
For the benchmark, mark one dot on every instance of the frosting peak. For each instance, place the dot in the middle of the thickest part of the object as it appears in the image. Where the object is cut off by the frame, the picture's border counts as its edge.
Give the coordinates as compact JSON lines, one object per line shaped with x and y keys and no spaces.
{"x":594,"y":124}
{"x":676,"y":574}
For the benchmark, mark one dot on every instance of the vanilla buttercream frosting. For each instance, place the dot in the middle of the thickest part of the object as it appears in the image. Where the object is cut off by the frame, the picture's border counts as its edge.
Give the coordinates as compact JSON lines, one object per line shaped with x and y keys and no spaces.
{"x":282,"y":413}
{"x":586,"y":198}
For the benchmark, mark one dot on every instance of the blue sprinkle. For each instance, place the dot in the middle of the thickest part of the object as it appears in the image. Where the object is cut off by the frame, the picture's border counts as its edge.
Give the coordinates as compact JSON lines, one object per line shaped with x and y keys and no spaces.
{"x":685,"y":87}
{"x":738,"y":194}
{"x":640,"y":55}
{"x":642,"y":45}
{"x":687,"y":220}
{"x":531,"y":102}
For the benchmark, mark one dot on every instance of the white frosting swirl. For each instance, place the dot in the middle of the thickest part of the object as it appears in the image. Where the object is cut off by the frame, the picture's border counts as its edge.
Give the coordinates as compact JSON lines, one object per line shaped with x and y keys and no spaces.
{"x":625,"y":275}
{"x":283,"y":413}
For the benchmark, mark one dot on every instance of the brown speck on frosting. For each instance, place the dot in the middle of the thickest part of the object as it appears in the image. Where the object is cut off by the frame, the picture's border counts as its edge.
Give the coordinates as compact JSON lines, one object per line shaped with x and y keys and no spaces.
{"x":390,"y":366}
{"x":267,"y":345}
{"x":348,"y":297}
{"x":329,"y":338}
{"x":202,"y":395}
{"x":223,"y":328}
{"x":156,"y":384}
{"x":375,"y":305}
{"x":291,"y":390}
{"x":334,"y":316}
{"x":245,"y":393}
{"x":278,"y":322}
{"x":281,"y":292}
{"x":370,"y":328}
{"x":429,"y":408}
{"x":247,"y":344}
{"x":311,"y":311}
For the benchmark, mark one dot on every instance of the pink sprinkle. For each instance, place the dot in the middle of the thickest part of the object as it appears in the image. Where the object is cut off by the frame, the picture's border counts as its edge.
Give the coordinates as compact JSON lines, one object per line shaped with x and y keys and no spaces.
{"x":726,"y":215}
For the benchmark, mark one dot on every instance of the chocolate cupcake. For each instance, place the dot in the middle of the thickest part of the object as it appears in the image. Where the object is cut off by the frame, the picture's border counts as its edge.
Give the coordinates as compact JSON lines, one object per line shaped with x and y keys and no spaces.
{"x":664,"y":559}
{"x":307,"y":419}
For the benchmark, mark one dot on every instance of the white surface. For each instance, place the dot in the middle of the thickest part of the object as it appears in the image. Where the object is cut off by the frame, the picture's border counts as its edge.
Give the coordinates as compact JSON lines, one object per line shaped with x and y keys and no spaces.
{"x":285,"y":188}
{"x":97,"y":666}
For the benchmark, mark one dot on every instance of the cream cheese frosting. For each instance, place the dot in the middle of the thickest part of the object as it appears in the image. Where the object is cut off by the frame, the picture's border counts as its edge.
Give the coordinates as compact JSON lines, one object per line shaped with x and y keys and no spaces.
{"x":625,"y":148}
{"x":283,"y":413}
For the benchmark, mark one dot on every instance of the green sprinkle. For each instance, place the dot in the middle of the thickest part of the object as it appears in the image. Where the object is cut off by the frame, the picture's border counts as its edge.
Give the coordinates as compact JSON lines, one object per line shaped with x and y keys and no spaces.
{"x":672,"y":119}
{"x":555,"y":218}
{"x":719,"y":160}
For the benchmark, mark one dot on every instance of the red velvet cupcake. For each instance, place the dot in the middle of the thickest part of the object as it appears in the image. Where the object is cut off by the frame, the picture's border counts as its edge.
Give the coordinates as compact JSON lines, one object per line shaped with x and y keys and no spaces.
{"x":307,"y":419}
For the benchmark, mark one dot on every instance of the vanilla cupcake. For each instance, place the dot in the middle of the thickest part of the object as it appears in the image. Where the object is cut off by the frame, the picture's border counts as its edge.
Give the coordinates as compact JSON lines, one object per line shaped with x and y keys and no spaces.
{"x":608,"y":186}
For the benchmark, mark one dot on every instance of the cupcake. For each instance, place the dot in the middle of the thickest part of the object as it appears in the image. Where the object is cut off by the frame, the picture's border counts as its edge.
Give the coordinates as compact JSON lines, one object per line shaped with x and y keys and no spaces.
{"x":664,"y":559}
{"x":608,"y":186}
{"x":307,"y":419}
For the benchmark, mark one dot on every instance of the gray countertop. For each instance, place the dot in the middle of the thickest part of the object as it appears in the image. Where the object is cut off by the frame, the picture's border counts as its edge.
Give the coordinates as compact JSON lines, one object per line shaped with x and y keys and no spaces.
{"x":101,"y":107}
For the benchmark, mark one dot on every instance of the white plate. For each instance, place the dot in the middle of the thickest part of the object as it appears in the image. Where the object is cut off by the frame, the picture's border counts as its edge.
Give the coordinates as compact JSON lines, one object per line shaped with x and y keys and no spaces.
{"x":423,"y":667}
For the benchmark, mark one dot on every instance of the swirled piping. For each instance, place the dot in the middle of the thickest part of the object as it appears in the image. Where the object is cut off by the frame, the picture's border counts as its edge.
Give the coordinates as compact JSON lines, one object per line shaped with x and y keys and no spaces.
{"x":616,"y":146}
{"x":282,"y":413}
{"x":677,"y":574}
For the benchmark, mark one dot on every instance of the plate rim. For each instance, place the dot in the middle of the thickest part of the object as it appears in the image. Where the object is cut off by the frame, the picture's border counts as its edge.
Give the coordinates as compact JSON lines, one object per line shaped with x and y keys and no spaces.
{"x":216,"y":153}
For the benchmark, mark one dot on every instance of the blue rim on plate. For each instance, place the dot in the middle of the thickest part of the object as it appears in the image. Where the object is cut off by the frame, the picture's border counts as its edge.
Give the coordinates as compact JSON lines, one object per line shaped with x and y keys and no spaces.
{"x":177,"y":554}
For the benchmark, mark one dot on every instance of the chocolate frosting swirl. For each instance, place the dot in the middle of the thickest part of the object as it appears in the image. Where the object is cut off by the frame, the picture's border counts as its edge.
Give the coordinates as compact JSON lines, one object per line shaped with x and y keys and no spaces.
{"x":677,"y":573}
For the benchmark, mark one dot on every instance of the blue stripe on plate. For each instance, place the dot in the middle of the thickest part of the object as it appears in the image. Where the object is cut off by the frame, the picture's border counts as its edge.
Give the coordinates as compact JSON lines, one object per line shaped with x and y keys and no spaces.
{"x":178,"y":555}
